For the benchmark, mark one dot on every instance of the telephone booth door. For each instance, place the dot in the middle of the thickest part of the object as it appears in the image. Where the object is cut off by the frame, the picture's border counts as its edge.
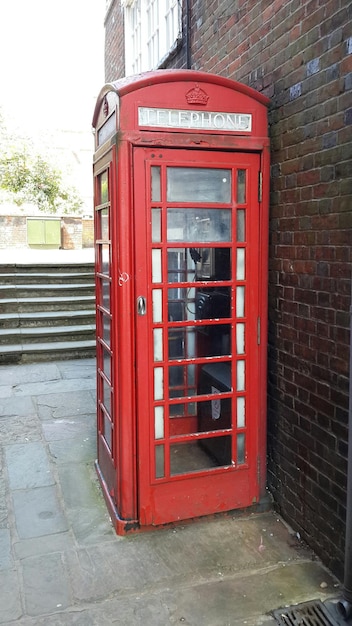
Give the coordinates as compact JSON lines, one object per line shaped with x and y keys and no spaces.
{"x":197,"y":332}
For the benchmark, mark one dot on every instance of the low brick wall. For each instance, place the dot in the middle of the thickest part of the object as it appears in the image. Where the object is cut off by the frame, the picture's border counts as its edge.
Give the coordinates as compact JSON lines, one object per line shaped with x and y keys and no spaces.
{"x":76,"y":233}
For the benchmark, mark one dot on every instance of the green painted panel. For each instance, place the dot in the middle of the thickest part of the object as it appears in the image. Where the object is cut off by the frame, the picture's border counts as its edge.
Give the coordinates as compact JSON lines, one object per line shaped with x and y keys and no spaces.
{"x":53,"y":232}
{"x":44,"y":232}
{"x":35,"y":232}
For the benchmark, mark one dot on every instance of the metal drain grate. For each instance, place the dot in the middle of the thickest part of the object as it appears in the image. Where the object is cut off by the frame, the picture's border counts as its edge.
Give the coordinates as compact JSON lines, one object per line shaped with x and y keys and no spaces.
{"x":306,"y":614}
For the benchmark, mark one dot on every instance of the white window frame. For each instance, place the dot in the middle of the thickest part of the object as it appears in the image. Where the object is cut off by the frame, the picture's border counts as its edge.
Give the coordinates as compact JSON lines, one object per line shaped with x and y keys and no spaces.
{"x":152,"y":30}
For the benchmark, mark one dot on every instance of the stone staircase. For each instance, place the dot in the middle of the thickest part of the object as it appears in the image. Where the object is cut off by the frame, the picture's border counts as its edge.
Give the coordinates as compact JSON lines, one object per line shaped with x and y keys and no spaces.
{"x":47,"y":312}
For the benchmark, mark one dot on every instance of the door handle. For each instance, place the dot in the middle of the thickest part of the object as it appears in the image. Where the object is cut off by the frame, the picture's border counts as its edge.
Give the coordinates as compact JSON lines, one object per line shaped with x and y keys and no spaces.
{"x":141,"y":305}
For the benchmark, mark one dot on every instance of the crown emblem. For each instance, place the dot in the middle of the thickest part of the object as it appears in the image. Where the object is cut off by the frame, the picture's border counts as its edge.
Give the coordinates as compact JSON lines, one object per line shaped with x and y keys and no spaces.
{"x":197,"y":96}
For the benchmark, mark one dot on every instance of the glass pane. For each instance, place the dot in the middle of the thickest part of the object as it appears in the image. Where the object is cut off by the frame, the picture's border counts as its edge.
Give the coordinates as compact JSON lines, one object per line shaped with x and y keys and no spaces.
{"x":241,"y":452}
{"x":202,"y":455}
{"x":241,"y":412}
{"x":199,"y":417}
{"x":107,"y":396}
{"x":215,"y":378}
{"x":188,"y":342}
{"x":240,"y":266}
{"x":241,"y":226}
{"x":240,"y":386}
{"x":106,"y":327}
{"x":178,"y":410}
{"x":199,"y":225}
{"x":156,"y":225}
{"x":194,"y":264}
{"x":103,"y":188}
{"x":158,"y":344}
{"x":198,"y":184}
{"x":182,"y":381}
{"x":240,"y":338}
{"x":105,"y":294}
{"x":213,"y":303}
{"x":241,"y":186}
{"x":157,"y":305}
{"x":158,"y":383}
{"x":104,"y":225}
{"x":180,"y":265}
{"x":107,"y":431}
{"x":104,"y":260}
{"x":107,"y":364}
{"x":155,"y":173}
{"x":216,"y":413}
{"x":159,"y":462}
{"x":212,"y":263}
{"x":159,"y":422}
{"x":181,"y":304}
{"x":239,"y":301}
{"x":156,"y":266}
{"x":183,"y":420}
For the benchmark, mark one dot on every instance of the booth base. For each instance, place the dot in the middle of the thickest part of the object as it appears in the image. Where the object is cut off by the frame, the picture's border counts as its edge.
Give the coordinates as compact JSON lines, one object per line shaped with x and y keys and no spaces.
{"x":125,"y":527}
{"x":122,"y":527}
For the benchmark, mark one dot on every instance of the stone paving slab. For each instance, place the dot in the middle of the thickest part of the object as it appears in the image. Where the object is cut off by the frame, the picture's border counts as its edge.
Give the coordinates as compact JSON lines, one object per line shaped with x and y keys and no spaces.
{"x":10,"y":596}
{"x":14,"y":375}
{"x":20,"y":429}
{"x":64,"y":429}
{"x":45,"y":583}
{"x":6,"y":561}
{"x":82,"y":492}
{"x":28,"y":465}
{"x":80,"y":450}
{"x":84,"y":368}
{"x":38,"y":512}
{"x":15,"y":407}
{"x":65,"y":404}
{"x":52,"y":387}
{"x":60,"y":542}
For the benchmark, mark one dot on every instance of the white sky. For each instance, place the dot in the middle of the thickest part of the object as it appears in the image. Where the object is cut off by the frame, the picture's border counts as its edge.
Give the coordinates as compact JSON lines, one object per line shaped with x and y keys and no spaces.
{"x":51,"y":71}
{"x":51,"y":61}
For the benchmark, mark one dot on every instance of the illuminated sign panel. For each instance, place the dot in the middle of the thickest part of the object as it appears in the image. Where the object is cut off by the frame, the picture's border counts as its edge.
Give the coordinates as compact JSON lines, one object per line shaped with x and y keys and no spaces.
{"x":194,"y":120}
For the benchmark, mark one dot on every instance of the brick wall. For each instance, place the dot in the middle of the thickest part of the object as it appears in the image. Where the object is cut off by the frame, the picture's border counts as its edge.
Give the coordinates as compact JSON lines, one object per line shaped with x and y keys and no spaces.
{"x":13,"y":231}
{"x":75,"y":232}
{"x":71,"y":233}
{"x":87,"y":233}
{"x":115,"y":42}
{"x":299,"y":53}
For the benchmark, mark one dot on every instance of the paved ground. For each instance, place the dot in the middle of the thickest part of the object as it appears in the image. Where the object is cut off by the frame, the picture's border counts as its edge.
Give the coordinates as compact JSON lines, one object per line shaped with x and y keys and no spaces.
{"x":60,"y":560}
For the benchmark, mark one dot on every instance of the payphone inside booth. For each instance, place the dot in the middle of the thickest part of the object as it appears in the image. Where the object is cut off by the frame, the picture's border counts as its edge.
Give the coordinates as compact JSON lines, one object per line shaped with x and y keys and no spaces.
{"x":181,"y":180}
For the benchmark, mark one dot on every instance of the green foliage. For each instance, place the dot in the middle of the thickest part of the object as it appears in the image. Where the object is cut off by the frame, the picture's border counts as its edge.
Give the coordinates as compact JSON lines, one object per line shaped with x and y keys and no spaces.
{"x":28,"y":178}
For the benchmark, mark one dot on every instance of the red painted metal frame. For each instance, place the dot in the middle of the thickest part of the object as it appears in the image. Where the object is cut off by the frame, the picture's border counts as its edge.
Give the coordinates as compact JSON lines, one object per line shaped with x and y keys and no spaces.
{"x":166,"y":89}
{"x":205,"y":492}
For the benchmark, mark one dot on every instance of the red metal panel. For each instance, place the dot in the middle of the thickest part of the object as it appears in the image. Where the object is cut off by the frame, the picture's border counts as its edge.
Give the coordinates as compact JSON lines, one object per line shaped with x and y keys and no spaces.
{"x":126,"y":471}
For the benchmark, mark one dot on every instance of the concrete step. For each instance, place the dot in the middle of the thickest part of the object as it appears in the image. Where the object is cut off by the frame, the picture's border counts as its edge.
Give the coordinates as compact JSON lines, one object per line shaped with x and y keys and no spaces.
{"x":14,"y":278}
{"x":57,"y":303}
{"x":30,"y":290}
{"x":45,"y":268}
{"x":29,"y":353}
{"x":46,"y":318}
{"x":14,"y":336}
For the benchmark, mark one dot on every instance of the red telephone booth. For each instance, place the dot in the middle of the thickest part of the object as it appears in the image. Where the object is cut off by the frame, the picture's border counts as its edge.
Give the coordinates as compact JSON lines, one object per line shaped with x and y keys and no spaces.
{"x":181,"y":171}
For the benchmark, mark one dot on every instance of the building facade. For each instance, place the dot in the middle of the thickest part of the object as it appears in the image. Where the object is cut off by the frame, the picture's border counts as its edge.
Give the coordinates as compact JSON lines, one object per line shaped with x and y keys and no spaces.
{"x":299,"y":54}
